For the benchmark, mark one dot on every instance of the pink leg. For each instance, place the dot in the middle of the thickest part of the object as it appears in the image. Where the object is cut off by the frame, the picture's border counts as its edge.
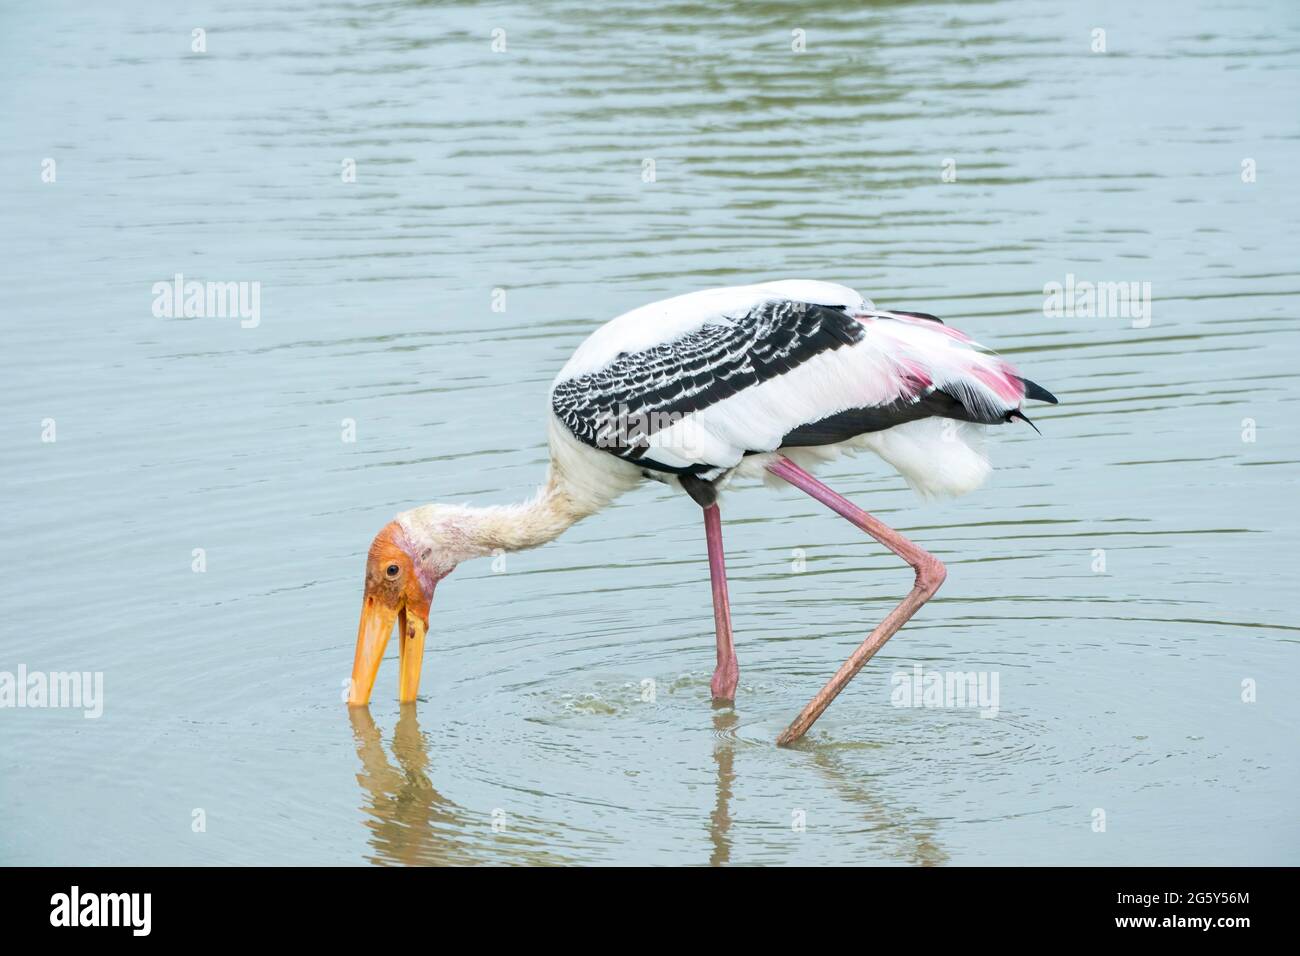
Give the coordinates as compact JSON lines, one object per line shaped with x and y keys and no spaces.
{"x":727,"y":674}
{"x":930,"y":573}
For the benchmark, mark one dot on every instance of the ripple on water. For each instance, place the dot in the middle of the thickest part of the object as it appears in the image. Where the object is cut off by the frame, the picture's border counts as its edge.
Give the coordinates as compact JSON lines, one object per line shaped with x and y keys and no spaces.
{"x":195,"y":433}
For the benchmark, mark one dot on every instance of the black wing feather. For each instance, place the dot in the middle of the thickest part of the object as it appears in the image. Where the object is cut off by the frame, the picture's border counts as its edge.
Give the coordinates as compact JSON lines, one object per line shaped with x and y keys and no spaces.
{"x":641,"y":390}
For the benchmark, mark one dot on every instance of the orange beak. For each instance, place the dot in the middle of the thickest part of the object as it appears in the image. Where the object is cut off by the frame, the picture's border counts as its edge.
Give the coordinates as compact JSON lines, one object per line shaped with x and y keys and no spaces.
{"x":411,"y":630}
{"x":377,"y":619}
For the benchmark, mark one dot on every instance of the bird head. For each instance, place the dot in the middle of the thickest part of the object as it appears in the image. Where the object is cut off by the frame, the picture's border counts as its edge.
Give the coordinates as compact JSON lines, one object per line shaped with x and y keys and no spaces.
{"x":415,"y":551}
{"x":400,"y":579}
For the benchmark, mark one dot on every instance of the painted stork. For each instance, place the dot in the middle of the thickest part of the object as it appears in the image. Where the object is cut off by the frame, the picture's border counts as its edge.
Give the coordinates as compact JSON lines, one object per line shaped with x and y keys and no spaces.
{"x":696,"y":391}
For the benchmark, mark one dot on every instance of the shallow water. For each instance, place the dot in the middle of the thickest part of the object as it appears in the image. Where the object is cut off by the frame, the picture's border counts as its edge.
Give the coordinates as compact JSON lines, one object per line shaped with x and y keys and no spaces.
{"x":533,"y":741}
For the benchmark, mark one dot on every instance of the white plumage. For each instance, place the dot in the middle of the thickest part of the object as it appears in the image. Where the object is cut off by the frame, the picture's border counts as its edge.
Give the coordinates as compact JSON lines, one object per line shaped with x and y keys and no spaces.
{"x":899,"y":360}
{"x":668,"y":319}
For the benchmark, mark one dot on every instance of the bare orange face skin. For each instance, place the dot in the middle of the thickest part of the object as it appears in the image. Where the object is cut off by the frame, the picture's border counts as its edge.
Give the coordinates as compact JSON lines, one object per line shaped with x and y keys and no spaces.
{"x":396,"y":592}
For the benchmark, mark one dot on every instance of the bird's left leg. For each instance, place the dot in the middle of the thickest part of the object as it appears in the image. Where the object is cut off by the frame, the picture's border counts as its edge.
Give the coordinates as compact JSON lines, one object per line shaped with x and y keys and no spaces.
{"x":930,"y":573}
{"x":727,"y":674}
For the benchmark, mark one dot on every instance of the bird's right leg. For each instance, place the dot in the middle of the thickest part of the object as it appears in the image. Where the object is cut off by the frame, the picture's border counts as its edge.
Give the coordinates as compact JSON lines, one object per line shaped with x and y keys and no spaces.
{"x":930,"y":573}
{"x":727,"y":674}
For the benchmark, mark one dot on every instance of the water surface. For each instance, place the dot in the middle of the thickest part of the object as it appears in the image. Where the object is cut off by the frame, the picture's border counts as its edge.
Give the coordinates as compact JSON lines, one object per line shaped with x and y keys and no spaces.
{"x":1173,"y":455}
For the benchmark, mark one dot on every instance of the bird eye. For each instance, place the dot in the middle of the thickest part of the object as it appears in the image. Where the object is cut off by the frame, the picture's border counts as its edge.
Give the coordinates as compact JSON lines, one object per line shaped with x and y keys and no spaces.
{"x":392,"y":570}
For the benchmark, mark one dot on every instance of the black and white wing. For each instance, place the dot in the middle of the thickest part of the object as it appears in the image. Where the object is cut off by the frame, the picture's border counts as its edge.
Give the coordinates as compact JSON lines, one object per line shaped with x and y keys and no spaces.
{"x":691,"y":385}
{"x":640,"y":395}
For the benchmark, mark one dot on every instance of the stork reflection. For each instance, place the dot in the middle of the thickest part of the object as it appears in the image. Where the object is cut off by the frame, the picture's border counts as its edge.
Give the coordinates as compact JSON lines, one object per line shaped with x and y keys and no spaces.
{"x":410,"y":822}
{"x":897,"y":834}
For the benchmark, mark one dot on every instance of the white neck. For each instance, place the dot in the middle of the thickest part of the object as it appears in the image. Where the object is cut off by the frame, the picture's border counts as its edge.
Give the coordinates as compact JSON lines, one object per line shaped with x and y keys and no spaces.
{"x":454,"y":533}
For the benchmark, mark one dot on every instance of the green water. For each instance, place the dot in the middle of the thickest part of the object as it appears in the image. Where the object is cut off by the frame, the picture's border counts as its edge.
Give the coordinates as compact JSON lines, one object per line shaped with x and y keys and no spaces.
{"x":1172,"y":457}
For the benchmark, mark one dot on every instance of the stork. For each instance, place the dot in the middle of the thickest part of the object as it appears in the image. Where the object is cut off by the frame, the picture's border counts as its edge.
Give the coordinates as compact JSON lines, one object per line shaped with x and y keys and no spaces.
{"x":701,"y":390}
